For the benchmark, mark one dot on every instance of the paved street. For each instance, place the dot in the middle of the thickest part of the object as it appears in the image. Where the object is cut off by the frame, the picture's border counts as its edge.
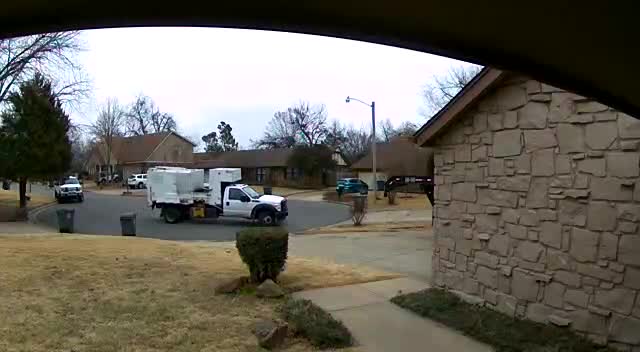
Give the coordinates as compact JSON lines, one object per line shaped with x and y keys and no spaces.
{"x":100,"y":214}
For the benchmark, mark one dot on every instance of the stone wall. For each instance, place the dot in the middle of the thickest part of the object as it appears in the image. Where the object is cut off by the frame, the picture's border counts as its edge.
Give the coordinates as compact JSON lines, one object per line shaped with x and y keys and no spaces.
{"x":537,"y":210}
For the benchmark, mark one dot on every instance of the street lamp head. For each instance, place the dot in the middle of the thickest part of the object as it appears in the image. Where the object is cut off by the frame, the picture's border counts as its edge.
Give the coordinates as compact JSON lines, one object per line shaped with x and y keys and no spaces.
{"x":348,"y":99}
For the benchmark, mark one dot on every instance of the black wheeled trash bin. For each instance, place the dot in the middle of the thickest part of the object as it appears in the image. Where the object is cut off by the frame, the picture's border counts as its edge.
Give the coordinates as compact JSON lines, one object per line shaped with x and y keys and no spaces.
{"x":268,"y":190}
{"x":65,"y":220}
{"x":128,"y":224}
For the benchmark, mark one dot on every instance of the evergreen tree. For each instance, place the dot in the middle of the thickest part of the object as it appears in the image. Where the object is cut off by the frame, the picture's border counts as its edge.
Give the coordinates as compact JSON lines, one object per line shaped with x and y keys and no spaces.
{"x":34,"y":138}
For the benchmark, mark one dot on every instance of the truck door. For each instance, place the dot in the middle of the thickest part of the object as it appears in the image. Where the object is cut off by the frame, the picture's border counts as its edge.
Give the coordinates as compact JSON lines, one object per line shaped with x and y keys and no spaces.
{"x":237,"y":203}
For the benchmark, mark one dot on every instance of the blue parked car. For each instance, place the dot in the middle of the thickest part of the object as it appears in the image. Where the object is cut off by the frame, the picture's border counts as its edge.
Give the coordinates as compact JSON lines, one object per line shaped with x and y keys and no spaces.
{"x":351,"y":185}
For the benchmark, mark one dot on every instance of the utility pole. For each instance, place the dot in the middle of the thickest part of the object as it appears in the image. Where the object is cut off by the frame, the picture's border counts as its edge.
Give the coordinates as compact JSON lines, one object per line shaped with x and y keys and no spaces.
{"x":373,"y":148}
{"x":373,"y":142}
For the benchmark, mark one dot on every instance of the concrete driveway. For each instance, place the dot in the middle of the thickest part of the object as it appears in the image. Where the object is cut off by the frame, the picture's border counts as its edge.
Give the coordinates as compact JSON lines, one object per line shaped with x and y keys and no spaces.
{"x":406,"y":253}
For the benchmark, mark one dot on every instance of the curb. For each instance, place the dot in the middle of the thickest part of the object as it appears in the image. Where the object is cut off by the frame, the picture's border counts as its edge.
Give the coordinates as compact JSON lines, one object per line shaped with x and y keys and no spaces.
{"x":33,"y":213}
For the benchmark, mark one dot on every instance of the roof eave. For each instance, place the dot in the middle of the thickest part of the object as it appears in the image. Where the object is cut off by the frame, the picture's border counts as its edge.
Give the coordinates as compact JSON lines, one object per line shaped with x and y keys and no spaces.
{"x":467,"y":96}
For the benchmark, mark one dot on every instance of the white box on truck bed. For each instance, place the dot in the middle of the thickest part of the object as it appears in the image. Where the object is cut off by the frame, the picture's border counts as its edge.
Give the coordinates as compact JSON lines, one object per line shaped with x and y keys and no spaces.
{"x":173,"y":184}
{"x":219,"y":179}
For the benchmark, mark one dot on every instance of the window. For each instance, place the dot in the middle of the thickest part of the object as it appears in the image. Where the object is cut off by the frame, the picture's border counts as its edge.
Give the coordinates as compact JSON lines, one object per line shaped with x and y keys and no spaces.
{"x":235,"y":194}
{"x":294,"y":173}
{"x":260,"y":174}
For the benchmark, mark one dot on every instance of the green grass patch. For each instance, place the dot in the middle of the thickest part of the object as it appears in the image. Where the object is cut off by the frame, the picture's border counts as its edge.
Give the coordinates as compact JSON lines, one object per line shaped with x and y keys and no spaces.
{"x":318,"y":326}
{"x":504,"y":333}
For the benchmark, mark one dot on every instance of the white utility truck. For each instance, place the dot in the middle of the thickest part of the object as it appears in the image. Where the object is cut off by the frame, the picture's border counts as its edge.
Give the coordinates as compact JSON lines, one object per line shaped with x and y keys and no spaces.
{"x":184,"y":193}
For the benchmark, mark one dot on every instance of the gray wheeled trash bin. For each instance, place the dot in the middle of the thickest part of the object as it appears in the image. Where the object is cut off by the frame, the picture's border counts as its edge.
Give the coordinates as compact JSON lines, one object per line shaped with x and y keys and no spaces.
{"x":128,"y":224}
{"x":268,"y":190}
{"x":65,"y":220}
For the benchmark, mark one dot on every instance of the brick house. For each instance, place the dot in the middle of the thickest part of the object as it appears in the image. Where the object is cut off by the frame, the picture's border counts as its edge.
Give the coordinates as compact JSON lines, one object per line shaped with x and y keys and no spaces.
{"x":398,"y":157}
{"x":133,"y":155}
{"x":269,"y":167}
{"x":538,"y":204}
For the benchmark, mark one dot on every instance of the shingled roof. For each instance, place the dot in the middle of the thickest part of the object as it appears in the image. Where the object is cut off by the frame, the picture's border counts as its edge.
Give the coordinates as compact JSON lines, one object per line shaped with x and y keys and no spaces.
{"x":400,"y":156}
{"x":136,"y":149}
{"x":243,"y":158}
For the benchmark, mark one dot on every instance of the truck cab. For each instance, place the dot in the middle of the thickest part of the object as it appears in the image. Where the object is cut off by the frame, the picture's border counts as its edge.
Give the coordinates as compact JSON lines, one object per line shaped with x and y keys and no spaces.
{"x":243,"y":201}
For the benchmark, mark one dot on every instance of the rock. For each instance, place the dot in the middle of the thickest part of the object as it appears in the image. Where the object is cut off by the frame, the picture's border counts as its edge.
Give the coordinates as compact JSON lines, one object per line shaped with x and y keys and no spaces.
{"x":628,"y":127}
{"x":568,"y":278}
{"x":524,"y":286}
{"x":507,"y":143}
{"x":514,"y":183}
{"x":625,"y":329}
{"x":464,"y":192}
{"x":551,"y":234}
{"x":487,"y":276}
{"x":590,"y":106}
{"x":594,"y":167}
{"x":554,"y":294}
{"x":618,"y":299}
{"x":533,"y":116}
{"x":577,"y":298}
{"x":628,"y":250}
{"x":601,"y":135}
{"x":269,"y":289}
{"x":570,"y":138}
{"x":558,"y":321}
{"x":539,"y":139}
{"x":632,"y":278}
{"x":486,"y":259}
{"x":537,"y":195}
{"x":510,"y":119}
{"x":231,"y":285}
{"x":529,"y":251}
{"x":584,"y":321}
{"x":584,"y":245}
{"x":620,"y":164}
{"x":601,"y":216}
{"x":270,"y":334}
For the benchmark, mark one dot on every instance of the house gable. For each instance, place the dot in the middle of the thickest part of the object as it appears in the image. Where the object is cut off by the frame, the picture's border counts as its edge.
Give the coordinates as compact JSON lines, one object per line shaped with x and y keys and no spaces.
{"x":534,"y":192}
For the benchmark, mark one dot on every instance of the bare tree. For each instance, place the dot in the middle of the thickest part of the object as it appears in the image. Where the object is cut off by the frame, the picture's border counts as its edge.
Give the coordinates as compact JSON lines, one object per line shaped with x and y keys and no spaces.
{"x":278,"y":134}
{"x":310,"y":121}
{"x":107,"y":127}
{"x":387,"y":131}
{"x":406,"y":128}
{"x":336,"y":134}
{"x":357,"y":143}
{"x":52,"y":54}
{"x":443,"y":88}
{"x":144,"y":117}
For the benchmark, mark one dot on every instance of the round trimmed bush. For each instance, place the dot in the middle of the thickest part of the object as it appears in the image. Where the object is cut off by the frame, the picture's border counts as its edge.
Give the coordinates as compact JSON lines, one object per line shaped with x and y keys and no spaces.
{"x":264,"y":251}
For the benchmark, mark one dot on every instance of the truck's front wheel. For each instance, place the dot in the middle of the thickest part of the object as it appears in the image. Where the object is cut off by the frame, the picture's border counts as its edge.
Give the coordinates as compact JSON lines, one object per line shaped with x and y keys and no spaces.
{"x":267,"y":218}
{"x":171,"y":215}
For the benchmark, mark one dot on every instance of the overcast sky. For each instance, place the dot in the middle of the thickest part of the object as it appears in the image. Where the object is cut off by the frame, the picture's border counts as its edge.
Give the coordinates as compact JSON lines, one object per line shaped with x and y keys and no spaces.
{"x":205,"y":75}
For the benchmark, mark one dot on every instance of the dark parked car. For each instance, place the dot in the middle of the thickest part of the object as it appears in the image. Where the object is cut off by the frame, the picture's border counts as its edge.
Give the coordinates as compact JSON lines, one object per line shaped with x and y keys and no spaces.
{"x":351,"y":185}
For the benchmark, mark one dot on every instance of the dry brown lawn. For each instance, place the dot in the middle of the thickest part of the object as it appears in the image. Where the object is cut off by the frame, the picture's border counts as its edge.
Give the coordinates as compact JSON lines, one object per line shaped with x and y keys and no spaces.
{"x":11,"y":198}
{"x":404,"y":201}
{"x":281,"y":191}
{"x":99,"y":293}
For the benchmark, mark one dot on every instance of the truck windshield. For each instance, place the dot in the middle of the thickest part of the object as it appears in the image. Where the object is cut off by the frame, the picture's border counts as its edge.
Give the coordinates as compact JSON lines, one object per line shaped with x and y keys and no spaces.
{"x":251,"y":192}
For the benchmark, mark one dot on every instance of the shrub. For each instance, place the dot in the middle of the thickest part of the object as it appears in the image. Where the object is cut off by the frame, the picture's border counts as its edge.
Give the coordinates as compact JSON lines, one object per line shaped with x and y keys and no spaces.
{"x":318,"y":326}
{"x":264,"y":251}
{"x":504,"y":333}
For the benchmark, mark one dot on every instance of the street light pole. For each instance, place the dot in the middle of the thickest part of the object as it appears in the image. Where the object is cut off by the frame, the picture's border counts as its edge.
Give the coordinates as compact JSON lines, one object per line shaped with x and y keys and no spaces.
{"x":373,"y":149}
{"x":373,"y":141}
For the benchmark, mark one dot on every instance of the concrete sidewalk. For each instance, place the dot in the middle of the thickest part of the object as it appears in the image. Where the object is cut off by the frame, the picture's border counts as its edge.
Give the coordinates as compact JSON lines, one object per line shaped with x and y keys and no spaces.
{"x":407,"y":252}
{"x":379,"y":325}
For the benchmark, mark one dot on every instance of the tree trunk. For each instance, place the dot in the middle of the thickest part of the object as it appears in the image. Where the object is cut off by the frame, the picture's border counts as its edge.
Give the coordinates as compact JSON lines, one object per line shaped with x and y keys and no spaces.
{"x":23,"y":192}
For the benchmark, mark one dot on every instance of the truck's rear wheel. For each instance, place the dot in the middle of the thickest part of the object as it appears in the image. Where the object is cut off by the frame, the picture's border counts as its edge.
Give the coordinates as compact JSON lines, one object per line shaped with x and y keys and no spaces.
{"x":267,"y":218}
{"x":172,"y":215}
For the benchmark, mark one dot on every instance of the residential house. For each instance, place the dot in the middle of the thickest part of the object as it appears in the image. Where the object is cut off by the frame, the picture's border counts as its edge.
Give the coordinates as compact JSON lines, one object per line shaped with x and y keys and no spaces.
{"x":132,"y":155}
{"x":537,"y":205}
{"x":398,"y":157}
{"x":268,"y":167}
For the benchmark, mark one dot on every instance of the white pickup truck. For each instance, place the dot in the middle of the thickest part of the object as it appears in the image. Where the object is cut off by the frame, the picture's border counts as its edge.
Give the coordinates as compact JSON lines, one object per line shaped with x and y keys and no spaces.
{"x":183,"y":193}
